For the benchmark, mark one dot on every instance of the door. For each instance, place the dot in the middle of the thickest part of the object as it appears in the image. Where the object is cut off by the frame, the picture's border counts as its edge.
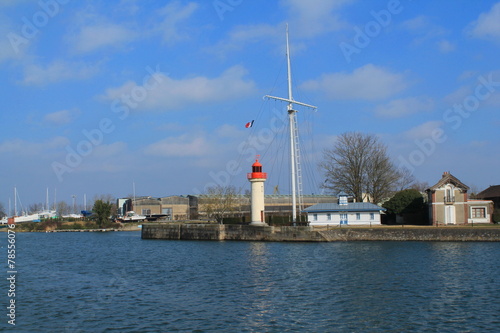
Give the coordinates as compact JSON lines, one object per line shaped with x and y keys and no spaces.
{"x":449,"y":215}
{"x":343,"y":218}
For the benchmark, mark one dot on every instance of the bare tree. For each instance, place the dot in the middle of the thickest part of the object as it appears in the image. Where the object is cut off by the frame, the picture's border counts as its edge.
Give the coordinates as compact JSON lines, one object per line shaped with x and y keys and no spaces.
{"x":35,"y":208}
{"x":2,"y":211}
{"x":381,"y":174}
{"x":358,"y":164}
{"x":406,"y":180}
{"x":106,"y":198}
{"x":219,"y":201}
{"x":420,"y":186}
{"x":62,"y":208}
{"x":473,"y":191}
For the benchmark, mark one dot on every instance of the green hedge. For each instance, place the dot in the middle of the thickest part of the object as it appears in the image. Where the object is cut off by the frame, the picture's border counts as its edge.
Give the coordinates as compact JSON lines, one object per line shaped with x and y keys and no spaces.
{"x":496,"y":216}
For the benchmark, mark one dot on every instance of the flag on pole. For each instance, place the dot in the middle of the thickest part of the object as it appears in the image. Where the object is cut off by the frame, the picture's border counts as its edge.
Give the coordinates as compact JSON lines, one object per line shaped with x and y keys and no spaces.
{"x":249,"y":124}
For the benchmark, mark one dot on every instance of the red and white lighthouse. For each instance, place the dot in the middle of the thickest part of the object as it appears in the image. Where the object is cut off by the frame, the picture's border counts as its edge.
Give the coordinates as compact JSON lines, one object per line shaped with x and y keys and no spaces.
{"x":257,"y":179}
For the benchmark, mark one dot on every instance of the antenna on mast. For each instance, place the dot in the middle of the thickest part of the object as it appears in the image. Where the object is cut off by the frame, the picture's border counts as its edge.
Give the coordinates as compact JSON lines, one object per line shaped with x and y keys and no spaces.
{"x":296,"y":177}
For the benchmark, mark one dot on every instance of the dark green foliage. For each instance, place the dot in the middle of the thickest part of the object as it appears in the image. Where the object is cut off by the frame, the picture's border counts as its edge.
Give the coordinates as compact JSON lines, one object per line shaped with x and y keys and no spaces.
{"x":405,"y":202}
{"x":233,"y":220}
{"x":102,"y":212}
{"x":496,"y":216}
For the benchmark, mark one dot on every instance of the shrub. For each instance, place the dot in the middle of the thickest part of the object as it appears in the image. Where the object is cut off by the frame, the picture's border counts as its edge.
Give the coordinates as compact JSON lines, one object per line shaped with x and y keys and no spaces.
{"x":496,"y":216}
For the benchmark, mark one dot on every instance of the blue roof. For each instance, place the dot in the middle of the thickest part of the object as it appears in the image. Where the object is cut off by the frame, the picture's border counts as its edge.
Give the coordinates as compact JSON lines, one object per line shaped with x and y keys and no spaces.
{"x":350,"y":207}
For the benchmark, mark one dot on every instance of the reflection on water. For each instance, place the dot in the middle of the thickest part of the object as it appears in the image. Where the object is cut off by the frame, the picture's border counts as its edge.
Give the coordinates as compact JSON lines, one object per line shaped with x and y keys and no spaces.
{"x":118,"y":282}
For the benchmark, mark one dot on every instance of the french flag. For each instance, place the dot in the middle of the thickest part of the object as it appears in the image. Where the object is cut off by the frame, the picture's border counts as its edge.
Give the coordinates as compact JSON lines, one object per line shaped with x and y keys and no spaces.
{"x":249,"y":124}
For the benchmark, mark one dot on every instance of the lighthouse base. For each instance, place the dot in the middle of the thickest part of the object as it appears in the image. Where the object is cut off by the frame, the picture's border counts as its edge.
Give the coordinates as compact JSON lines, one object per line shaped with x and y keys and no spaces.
{"x":258,"y":224}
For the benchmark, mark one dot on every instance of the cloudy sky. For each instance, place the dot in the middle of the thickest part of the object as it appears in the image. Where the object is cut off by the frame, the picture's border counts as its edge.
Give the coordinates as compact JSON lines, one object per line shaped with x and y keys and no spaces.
{"x":100,"y":95}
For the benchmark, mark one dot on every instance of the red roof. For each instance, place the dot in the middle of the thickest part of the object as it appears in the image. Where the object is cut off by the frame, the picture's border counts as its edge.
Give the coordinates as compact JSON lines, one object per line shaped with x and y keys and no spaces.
{"x":256,"y":164}
{"x":491,"y":192}
{"x":448,"y":178}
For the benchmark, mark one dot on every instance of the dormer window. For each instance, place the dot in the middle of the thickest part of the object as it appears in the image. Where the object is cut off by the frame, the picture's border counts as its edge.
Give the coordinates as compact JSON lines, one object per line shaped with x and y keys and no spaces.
{"x":342,"y":199}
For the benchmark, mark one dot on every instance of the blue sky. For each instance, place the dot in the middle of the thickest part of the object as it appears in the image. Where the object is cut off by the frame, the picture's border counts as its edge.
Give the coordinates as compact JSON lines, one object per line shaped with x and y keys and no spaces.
{"x":98,"y":95}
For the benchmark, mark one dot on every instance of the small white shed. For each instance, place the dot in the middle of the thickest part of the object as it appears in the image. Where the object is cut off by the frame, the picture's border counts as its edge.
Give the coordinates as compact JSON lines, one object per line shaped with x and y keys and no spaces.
{"x":344,"y":213}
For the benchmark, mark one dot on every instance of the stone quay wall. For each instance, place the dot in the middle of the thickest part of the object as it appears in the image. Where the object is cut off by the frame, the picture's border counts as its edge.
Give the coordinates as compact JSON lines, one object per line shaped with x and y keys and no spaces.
{"x":217,"y":232}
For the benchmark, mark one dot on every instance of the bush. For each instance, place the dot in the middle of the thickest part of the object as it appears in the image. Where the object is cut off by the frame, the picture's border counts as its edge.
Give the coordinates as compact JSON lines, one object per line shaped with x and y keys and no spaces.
{"x":496,"y":216}
{"x":233,"y":220}
{"x":405,"y":202}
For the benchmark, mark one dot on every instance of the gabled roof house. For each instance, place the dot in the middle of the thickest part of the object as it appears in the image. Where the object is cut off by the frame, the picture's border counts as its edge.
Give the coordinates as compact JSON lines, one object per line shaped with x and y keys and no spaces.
{"x":449,"y":203}
{"x":344,"y":213}
{"x":491,"y":193}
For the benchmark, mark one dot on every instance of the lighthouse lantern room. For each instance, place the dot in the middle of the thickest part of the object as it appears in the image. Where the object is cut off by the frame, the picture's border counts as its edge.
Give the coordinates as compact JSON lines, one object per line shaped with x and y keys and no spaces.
{"x":257,"y":179}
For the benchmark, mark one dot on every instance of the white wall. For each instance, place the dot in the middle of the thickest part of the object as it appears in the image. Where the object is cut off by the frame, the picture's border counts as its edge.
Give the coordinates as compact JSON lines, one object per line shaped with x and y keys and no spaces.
{"x":364,"y":219}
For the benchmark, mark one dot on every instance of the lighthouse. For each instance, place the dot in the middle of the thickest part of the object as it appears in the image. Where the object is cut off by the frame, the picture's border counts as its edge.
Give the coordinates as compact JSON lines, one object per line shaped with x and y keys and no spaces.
{"x":257,"y":179}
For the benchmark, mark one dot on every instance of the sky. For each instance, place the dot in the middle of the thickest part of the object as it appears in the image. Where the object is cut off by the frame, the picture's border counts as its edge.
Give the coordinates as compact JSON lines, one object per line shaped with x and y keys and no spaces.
{"x":112,"y":97}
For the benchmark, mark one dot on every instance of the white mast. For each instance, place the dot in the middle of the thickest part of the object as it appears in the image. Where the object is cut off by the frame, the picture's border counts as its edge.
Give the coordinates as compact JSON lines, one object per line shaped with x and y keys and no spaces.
{"x":133,"y":202}
{"x":293,"y":130}
{"x":15,"y":201}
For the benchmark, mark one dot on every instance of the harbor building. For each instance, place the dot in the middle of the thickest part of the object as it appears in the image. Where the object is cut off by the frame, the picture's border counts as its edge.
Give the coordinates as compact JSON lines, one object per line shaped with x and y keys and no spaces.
{"x":344,"y":213}
{"x":449,"y":203}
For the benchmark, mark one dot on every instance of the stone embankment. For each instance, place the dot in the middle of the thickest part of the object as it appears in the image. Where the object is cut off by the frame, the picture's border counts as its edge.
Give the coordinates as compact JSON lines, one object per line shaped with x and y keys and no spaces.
{"x":219,"y":232}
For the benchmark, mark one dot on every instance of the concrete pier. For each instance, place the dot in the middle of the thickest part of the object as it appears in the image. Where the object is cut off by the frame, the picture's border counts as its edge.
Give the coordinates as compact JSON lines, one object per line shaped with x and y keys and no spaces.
{"x":218,"y":232}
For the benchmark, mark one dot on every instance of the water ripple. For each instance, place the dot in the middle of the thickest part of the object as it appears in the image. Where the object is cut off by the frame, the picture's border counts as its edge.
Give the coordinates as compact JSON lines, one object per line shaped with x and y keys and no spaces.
{"x":116,"y":282}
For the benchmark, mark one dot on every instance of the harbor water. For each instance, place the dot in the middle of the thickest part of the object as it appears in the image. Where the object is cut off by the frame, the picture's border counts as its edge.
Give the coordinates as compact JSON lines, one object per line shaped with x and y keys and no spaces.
{"x":116,"y":282}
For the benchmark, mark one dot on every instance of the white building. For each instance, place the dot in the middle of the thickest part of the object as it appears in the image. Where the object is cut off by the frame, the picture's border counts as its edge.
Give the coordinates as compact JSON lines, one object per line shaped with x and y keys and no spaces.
{"x":344,"y":213}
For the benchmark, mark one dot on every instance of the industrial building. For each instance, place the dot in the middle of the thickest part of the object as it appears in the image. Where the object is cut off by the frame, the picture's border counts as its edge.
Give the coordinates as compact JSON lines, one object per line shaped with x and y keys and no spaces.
{"x":181,"y":208}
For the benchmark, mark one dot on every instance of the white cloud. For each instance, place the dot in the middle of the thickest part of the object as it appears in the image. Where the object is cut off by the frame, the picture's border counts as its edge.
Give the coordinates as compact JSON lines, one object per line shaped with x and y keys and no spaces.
{"x":306,"y":20}
{"x":425,"y":30}
{"x":458,"y":95}
{"x":27,"y":148}
{"x":416,"y":24}
{"x":56,"y":72}
{"x":243,"y":35}
{"x":424,"y":130}
{"x":171,"y":94}
{"x":59,"y":118}
{"x":173,"y":15}
{"x":228,"y":131}
{"x":445,"y":46}
{"x":12,"y":43}
{"x":183,"y":146}
{"x":487,"y":25}
{"x":109,"y":158}
{"x":466,"y":75}
{"x":314,"y":17}
{"x":487,"y":95}
{"x":368,"y":82}
{"x":404,"y":107}
{"x":96,"y":35}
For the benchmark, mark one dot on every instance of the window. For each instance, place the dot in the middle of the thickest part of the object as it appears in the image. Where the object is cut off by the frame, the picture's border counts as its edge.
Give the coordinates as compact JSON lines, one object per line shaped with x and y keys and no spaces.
{"x":329,"y":217}
{"x":315,"y":217}
{"x":372,"y":216}
{"x":358,"y":216}
{"x":478,"y":213}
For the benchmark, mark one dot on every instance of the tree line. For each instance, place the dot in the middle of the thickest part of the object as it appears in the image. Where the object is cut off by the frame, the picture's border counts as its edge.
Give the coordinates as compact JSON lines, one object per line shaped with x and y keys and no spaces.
{"x":359,"y":165}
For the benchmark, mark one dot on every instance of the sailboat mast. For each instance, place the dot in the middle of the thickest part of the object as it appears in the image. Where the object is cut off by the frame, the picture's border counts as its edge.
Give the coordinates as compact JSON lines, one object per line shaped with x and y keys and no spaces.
{"x":133,"y":201}
{"x":15,"y":201}
{"x":291,"y":118}
{"x":291,"y":115}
